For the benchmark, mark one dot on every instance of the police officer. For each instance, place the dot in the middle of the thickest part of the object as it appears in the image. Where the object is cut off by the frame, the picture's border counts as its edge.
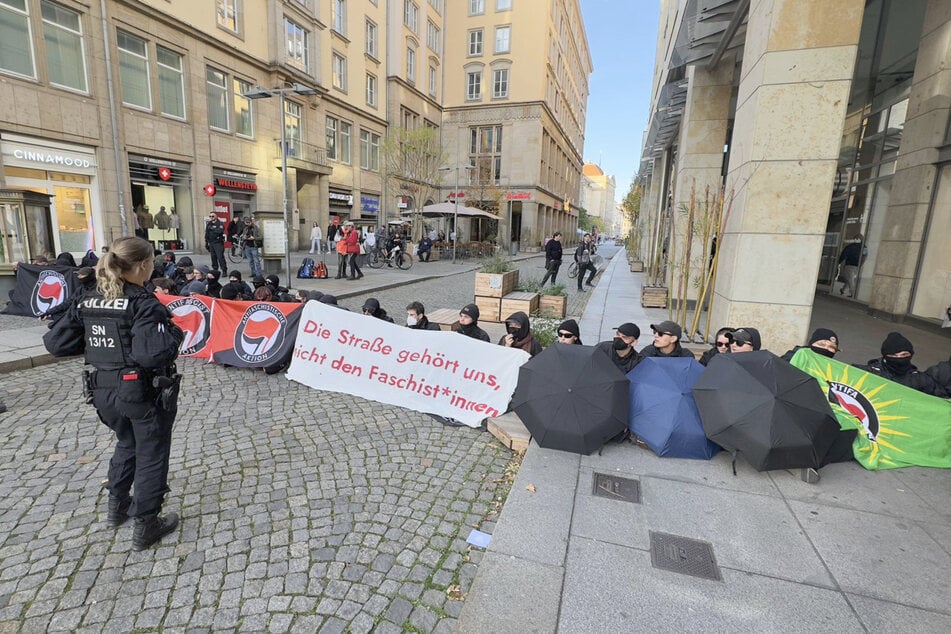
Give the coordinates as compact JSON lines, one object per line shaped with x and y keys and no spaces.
{"x":215,"y":243}
{"x":130,"y":340}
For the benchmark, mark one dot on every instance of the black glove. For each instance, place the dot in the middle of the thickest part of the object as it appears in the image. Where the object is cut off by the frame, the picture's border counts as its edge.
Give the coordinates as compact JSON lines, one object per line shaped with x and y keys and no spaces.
{"x":177,"y":333}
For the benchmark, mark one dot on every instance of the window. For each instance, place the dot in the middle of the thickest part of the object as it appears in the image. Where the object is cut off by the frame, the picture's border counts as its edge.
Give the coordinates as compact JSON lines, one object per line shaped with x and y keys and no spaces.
{"x":16,"y":41}
{"x":411,"y":65}
{"x":171,"y":82}
{"x":62,"y":32}
{"x":369,"y":150}
{"x":345,"y":134}
{"x":432,"y":81}
{"x":228,"y":12}
{"x":371,"y":39}
{"x":411,"y":15}
{"x":474,"y":85}
{"x":217,"y":86}
{"x":485,"y":152}
{"x":296,"y":44}
{"x":502,"y":39}
{"x":503,"y":5}
{"x":339,"y":18}
{"x":436,"y":4}
{"x":475,"y":42}
{"x":500,"y":83}
{"x":331,"y":138}
{"x":409,"y":120}
{"x":292,"y":127}
{"x":432,"y":37}
{"x":476,"y":7}
{"x":371,"y":90}
{"x":339,"y":71}
{"x":243,"y":121}
{"x":133,"y":70}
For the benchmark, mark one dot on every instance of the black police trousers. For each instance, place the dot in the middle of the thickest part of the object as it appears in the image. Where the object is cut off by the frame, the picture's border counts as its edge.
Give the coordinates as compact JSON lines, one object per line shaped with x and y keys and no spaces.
{"x":144,"y":439}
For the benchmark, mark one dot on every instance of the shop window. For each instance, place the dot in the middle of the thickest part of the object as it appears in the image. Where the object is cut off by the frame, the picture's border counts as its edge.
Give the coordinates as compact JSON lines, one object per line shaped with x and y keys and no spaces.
{"x":65,"y":59}
{"x":16,"y":41}
{"x":134,"y":70}
{"x":171,"y":82}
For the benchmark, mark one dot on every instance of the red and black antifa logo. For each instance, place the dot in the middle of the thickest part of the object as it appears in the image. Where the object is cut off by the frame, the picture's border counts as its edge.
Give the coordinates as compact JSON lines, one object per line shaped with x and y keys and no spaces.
{"x":260,"y":334}
{"x":50,"y":291}
{"x":856,"y":404}
{"x":193,"y":317}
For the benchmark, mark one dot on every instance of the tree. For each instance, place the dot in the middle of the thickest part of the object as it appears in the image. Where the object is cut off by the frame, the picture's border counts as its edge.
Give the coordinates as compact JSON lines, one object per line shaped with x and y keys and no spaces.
{"x":585,"y":222}
{"x":412,"y":159}
{"x":632,"y":202}
{"x":484,"y":192}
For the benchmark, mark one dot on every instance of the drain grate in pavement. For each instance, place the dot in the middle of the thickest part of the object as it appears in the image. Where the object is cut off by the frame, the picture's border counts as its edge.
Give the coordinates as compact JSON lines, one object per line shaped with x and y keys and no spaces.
{"x":684,"y":555}
{"x":616,"y":488}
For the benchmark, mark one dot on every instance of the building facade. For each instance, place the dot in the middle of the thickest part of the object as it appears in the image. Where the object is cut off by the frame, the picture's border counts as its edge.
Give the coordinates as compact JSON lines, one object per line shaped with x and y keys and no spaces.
{"x":597,"y":199}
{"x":150,"y":116}
{"x":826,"y":124}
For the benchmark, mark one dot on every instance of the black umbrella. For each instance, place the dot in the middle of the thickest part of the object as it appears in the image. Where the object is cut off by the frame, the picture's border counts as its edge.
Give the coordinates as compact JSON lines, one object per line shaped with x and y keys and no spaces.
{"x":775,"y":415}
{"x":572,"y":398}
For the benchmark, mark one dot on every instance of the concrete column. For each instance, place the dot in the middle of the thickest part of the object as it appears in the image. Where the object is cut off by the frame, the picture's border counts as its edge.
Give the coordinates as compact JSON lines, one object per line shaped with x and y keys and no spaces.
{"x":915,"y":172}
{"x":793,"y":93}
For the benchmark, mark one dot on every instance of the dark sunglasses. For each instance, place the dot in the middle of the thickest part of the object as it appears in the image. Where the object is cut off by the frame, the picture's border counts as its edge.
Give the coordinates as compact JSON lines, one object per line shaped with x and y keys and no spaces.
{"x":723,"y":344}
{"x":565,"y":334}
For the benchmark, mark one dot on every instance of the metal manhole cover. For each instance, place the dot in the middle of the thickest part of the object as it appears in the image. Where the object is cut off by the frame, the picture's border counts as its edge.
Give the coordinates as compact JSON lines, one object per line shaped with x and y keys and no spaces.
{"x":684,"y":555}
{"x":617,"y":488}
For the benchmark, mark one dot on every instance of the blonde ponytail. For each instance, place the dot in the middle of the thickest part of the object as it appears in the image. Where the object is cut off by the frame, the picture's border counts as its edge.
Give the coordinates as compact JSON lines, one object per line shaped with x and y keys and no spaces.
{"x":122,"y":257}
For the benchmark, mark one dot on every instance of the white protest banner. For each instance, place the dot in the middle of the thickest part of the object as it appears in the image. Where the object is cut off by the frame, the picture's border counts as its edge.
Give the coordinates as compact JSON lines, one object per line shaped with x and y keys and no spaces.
{"x":441,"y":372}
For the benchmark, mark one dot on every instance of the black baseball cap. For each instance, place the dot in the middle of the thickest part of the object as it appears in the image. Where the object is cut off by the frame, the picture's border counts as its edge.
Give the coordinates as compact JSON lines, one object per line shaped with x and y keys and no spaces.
{"x":629,"y":330}
{"x":668,"y":328}
{"x":743,"y":336}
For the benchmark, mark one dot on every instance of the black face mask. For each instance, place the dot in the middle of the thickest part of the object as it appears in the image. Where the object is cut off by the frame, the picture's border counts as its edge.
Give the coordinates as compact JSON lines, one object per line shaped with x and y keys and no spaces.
{"x":619,"y":344}
{"x":899,"y":365}
{"x":823,"y":352}
{"x":512,"y":330}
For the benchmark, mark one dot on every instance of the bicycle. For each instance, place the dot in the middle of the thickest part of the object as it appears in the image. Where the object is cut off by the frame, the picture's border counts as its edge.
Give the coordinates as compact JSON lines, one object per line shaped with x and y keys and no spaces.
{"x":376,"y":259}
{"x":236,"y":253}
{"x":573,"y":269}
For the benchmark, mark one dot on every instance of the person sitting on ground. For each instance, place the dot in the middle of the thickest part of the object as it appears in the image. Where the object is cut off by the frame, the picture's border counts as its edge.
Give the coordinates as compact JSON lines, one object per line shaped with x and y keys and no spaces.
{"x":65,"y":259}
{"x":941,"y":373}
{"x":263,"y":294}
{"x":744,"y":340}
{"x":163,"y":286}
{"x":518,"y":334}
{"x":620,"y":349}
{"x":195,"y":284}
{"x":469,"y":323}
{"x":895,"y":365}
{"x":416,"y":317}
{"x":257,"y":281}
{"x":278,"y":292}
{"x":236,"y":288}
{"x":721,"y":345}
{"x":568,"y":332}
{"x":666,"y":342}
{"x":424,"y":249}
{"x":822,"y":341}
{"x":372,"y":308}
{"x":213,"y":284}
{"x":178,"y":274}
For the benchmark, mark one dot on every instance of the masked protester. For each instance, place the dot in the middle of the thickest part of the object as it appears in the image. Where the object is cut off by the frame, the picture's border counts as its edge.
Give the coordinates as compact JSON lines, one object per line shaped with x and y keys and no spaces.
{"x":568,"y":332}
{"x":372,"y":308}
{"x":822,"y":341}
{"x":620,"y":349}
{"x":518,"y":334}
{"x":895,"y":365}
{"x":128,"y":337}
{"x":721,"y":345}
{"x":416,"y":317}
{"x":469,"y":323}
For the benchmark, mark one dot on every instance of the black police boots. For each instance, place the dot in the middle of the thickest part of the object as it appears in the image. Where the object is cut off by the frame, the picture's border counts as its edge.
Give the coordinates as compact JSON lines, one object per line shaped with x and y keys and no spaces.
{"x":151,"y":528}
{"x":118,"y":511}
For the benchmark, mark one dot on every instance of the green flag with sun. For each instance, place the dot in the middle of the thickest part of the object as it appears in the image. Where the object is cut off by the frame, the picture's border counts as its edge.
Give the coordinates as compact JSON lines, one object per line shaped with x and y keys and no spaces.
{"x":898,"y":426}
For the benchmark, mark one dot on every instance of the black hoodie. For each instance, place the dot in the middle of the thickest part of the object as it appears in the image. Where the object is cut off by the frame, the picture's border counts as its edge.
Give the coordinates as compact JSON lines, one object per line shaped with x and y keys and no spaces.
{"x":523,"y":336}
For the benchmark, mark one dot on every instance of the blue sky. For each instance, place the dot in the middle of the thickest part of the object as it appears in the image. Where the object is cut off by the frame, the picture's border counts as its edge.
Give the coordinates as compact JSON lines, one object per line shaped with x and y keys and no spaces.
{"x":622,"y":37}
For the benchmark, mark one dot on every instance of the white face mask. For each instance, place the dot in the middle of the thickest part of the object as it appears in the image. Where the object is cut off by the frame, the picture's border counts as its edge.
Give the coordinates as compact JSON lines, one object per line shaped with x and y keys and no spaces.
{"x":411,"y":321}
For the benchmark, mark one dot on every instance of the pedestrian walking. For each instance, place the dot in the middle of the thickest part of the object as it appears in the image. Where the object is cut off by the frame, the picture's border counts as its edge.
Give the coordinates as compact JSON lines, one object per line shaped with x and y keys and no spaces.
{"x":850,"y":260}
{"x":128,"y":336}
{"x":553,"y":254}
{"x":352,"y":236}
{"x":583,"y":254}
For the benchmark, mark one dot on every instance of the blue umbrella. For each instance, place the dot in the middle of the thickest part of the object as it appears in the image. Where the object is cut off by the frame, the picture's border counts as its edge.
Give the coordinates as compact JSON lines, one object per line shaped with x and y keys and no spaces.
{"x":663,"y":412}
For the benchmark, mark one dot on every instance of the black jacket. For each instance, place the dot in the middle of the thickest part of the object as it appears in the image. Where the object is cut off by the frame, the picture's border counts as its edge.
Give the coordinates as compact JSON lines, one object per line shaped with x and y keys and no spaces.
{"x":553,"y":250}
{"x":473,"y":330}
{"x":709,"y":354}
{"x":941,"y":373}
{"x":425,"y":324}
{"x":624,"y":364}
{"x":651,"y":351}
{"x":912,"y":378}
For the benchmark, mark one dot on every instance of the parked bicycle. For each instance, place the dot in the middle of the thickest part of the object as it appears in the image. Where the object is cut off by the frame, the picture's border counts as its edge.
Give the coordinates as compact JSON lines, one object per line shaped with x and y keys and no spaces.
{"x":236,"y":253}
{"x":377,"y":258}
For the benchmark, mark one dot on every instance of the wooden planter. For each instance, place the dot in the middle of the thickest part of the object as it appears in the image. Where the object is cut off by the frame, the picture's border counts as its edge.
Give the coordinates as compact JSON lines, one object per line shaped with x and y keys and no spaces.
{"x":654,"y":297}
{"x":495,"y":284}
{"x":554,"y":306}
{"x":518,"y":301}
{"x":637,"y":266}
{"x":489,"y":308}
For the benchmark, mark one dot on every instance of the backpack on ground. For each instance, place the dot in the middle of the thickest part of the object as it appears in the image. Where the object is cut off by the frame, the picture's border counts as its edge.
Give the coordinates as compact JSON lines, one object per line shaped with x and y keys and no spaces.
{"x":320,"y":270}
{"x":306,"y":269}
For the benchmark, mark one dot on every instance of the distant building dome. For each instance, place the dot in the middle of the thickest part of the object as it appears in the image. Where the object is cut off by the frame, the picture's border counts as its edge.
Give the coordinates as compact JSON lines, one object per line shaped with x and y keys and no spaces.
{"x":590,"y":169}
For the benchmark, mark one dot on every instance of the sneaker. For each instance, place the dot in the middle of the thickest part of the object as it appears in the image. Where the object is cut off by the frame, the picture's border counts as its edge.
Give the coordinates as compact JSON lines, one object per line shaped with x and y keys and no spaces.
{"x":151,"y":528}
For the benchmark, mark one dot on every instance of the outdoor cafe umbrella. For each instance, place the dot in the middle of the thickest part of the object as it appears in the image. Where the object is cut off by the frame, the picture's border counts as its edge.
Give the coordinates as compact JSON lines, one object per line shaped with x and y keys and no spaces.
{"x":572,"y":398}
{"x":773,"y":414}
{"x":663,"y":412}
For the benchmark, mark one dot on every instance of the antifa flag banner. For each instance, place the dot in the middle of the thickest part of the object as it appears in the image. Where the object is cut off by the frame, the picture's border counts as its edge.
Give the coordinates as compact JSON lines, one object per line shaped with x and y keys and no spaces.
{"x":441,"y":372}
{"x":193,"y":316}
{"x":898,"y":426}
{"x":39,"y":289}
{"x":253,"y":334}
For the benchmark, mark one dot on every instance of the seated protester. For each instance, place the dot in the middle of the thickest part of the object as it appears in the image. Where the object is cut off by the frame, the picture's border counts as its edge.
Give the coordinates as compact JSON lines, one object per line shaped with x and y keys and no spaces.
{"x":195,"y":284}
{"x":744,"y":340}
{"x":258,"y":281}
{"x":178,"y":273}
{"x":666,"y":342}
{"x":469,"y":323}
{"x":895,"y":365}
{"x":167,"y":266}
{"x":278,"y":292}
{"x":941,"y":373}
{"x":65,"y":259}
{"x":238,"y":288}
{"x":372,"y":308}
{"x":213,"y":284}
{"x":721,"y":345}
{"x":416,"y":317}
{"x":263,"y":294}
{"x":331,"y":300}
{"x":163,"y":286}
{"x":518,"y":334}
{"x":621,"y":348}
{"x":568,"y":332}
{"x":90,"y":259}
{"x":822,"y":341}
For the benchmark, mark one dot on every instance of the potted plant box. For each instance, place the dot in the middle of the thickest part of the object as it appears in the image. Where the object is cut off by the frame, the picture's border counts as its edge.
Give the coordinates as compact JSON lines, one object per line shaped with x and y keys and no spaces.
{"x":637,"y":266}
{"x":490,"y":308}
{"x":654,"y":297}
{"x":495,"y":284}
{"x":553,"y":302}
{"x":526,"y":302}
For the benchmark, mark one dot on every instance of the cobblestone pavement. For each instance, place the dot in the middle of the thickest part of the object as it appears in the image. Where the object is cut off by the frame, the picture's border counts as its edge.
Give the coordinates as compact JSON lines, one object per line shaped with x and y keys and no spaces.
{"x":302,"y":510}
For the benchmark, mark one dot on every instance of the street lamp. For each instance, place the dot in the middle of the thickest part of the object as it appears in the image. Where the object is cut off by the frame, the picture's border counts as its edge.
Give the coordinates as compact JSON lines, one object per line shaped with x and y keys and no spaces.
{"x":264,"y":93}
{"x":455,"y":211}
